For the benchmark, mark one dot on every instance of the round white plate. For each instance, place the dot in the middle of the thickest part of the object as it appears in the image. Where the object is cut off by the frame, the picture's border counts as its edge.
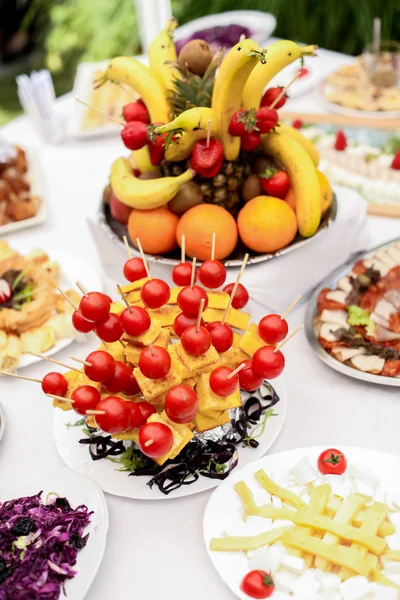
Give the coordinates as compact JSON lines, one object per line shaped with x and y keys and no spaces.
{"x":76,"y":456}
{"x":225,"y":508}
{"x":72,"y":268}
{"x":78,"y":489}
{"x":301,"y":86}
{"x":352,"y":112}
{"x":2,"y":422}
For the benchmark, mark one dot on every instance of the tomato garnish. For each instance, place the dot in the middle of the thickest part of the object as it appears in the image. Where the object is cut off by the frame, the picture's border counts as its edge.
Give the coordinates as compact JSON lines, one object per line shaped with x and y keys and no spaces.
{"x":332,"y":462}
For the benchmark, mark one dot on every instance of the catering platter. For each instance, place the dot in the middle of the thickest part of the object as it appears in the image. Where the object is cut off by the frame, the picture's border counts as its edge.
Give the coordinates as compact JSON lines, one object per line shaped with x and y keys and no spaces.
{"x":338,"y":277}
{"x":303,"y":473}
{"x":80,"y":491}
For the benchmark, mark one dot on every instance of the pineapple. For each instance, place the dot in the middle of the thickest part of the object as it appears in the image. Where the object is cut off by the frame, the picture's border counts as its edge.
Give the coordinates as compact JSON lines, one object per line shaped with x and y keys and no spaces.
{"x":192,"y":90}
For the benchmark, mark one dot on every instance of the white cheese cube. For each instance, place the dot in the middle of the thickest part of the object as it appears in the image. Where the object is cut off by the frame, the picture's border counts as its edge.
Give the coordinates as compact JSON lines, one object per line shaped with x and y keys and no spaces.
{"x":393,"y":541}
{"x":261,"y":496}
{"x":380,"y":494}
{"x":356,"y":588}
{"x":306,"y":584}
{"x":282,"y":477}
{"x":278,"y":549}
{"x":391,"y":567}
{"x":303,"y":472}
{"x":384,"y":592}
{"x":364,"y":475}
{"x":284,"y":581}
{"x":329,"y":582}
{"x":276,"y":502}
{"x":393,"y":498}
{"x":294,"y":564}
{"x":265,"y":560}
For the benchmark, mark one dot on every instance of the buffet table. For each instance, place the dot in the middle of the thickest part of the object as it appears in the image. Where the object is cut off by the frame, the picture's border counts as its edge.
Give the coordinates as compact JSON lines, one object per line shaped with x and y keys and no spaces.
{"x":156,"y":550}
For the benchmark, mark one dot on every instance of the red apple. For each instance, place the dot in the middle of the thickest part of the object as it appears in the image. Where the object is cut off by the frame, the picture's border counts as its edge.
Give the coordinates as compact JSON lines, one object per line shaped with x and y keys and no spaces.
{"x":119,"y":210}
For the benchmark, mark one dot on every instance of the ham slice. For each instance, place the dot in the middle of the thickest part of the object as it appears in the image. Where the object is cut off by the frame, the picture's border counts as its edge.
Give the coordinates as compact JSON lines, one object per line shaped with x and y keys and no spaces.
{"x":393,"y":296}
{"x":380,"y":320}
{"x":378,"y":265}
{"x":394,"y":253}
{"x":382,"y":334}
{"x":327,"y":331}
{"x":368,"y":364}
{"x":337,"y":296}
{"x":342,"y":353}
{"x":344,"y":284}
{"x":387,"y":260}
{"x":384,"y":309}
{"x":335,"y":316}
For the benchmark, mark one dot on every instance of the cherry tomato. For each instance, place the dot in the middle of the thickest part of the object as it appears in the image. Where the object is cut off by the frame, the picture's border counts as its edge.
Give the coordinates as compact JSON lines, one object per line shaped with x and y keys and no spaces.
{"x":248,"y":380}
{"x":212,"y":274}
{"x":220,"y":384}
{"x":117,"y":417}
{"x":155,"y":439}
{"x":303,"y":72}
{"x":221,"y":335}
{"x":135,"y":111}
{"x":189,"y":299}
{"x":135,"y":321}
{"x":332,"y":462}
{"x":155,"y":293}
{"x":258,"y":584}
{"x":195,"y":342}
{"x":267,"y":363}
{"x":182,"y":274}
{"x":55,"y":384}
{"x":110,"y":330}
{"x":146,"y":410}
{"x":241,"y":297}
{"x":273,"y":329}
{"x":132,"y":388}
{"x":134,"y":269}
{"x":136,"y":416}
{"x":102,"y":366}
{"x":85,"y":397}
{"x":121,"y":378}
{"x":181,"y":403}
{"x":81,"y":324}
{"x":95,"y":306}
{"x":182,"y":322}
{"x":154,"y":362}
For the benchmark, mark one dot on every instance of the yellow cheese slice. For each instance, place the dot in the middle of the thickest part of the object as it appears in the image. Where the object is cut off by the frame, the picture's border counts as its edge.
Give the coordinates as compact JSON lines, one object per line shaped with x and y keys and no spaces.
{"x":236,"y":318}
{"x":115,"y":349}
{"x":233,"y":357}
{"x":135,"y":285}
{"x":151,"y":388}
{"x":194,"y":363}
{"x":147,"y":337}
{"x":182,"y":435}
{"x":251,"y":341}
{"x":204,"y":422}
{"x":210,"y":401}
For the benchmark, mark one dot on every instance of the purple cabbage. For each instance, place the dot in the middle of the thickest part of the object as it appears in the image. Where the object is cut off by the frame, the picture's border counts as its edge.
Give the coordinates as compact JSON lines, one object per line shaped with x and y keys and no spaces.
{"x":221,"y":36}
{"x":38,"y":546}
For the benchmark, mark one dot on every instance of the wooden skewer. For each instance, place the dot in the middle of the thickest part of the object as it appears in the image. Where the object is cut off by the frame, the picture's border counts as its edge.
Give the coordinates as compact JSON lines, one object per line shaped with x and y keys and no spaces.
{"x":213,"y":242}
{"x":391,"y":211}
{"x":146,"y":266}
{"x":242,"y":37}
{"x":52,"y":360}
{"x":235,"y":287}
{"x":201,"y":308}
{"x":150,"y":347}
{"x":183,"y":248}
{"x":285,"y":341}
{"x":82,"y":288}
{"x":124,"y":298}
{"x":284,"y":90}
{"x":67,"y":299}
{"x":95,"y":412}
{"x":193,"y":277}
{"x":127,"y":246}
{"x":208,"y":133}
{"x":289,"y":308}
{"x":122,"y":343}
{"x":20,"y":376}
{"x":60,"y":398}
{"x":236,"y":371}
{"x":105,"y":115}
{"x":148,"y":443}
{"x":79,"y":360}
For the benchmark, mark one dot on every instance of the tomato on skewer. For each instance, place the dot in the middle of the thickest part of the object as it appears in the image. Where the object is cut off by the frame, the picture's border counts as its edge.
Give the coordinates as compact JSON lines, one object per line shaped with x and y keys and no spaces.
{"x":182,"y":274}
{"x":181,"y":403}
{"x":268,"y":362}
{"x":196,"y":342}
{"x":220,"y":383}
{"x":155,"y":439}
{"x":182,"y":322}
{"x":81,"y":324}
{"x":221,"y":335}
{"x":212,"y":274}
{"x":248,"y":380}
{"x":101,"y":366}
{"x":155,"y":293}
{"x":134,"y":269}
{"x":54,"y":384}
{"x":110,"y":330}
{"x":241,"y":296}
{"x":85,"y":397}
{"x":117,"y":415}
{"x":121,"y":378}
{"x":146,"y":410}
{"x":95,"y":306}
{"x":273,"y":329}
{"x":135,"y":321}
{"x":132,"y":388}
{"x":189,"y":299}
{"x":154,"y":362}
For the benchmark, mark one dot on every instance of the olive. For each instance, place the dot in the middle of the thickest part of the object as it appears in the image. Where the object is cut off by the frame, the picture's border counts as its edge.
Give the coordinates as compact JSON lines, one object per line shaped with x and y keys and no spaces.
{"x":195,"y":56}
{"x":251,"y":188}
{"x":188,"y":195}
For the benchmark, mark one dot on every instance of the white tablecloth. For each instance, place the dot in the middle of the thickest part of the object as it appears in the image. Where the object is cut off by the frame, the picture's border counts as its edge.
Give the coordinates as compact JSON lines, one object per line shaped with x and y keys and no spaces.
{"x":155,"y":550}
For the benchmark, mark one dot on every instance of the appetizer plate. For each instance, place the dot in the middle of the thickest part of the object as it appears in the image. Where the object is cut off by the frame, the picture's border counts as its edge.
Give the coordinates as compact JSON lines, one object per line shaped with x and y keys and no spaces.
{"x":225,"y":507}
{"x":311,"y":313}
{"x":301,"y":86}
{"x":72,"y":269}
{"x":352,"y":112}
{"x":2,"y":422}
{"x":106,"y":473}
{"x":78,"y":489}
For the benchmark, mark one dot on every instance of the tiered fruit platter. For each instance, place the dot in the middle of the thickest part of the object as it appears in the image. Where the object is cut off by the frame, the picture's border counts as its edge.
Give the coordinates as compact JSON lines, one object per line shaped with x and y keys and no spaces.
{"x":210,"y":155}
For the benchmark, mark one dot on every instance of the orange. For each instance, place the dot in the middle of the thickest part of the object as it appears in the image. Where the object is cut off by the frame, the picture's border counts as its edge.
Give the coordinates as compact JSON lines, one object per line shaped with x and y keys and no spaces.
{"x":198,"y":225}
{"x":155,"y":228}
{"x":326,"y":192}
{"x":290,"y":198}
{"x":267,"y":224}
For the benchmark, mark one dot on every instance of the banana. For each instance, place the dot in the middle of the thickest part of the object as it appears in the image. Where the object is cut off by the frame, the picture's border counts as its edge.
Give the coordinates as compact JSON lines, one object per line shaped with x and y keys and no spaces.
{"x":303,"y":179}
{"x":144,"y":193}
{"x":140,"y":159}
{"x":147,"y":85}
{"x":162,"y":51}
{"x":233,"y":73}
{"x":182,"y":148}
{"x":278,"y":55}
{"x":303,"y":141}
{"x":193,"y":119}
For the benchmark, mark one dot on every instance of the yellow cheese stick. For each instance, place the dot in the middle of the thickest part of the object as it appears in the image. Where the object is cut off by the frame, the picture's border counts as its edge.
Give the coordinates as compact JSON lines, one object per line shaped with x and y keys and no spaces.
{"x":233,"y":544}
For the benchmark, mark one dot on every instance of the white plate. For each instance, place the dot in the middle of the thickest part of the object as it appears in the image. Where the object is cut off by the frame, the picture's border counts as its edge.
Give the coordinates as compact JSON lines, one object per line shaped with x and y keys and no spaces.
{"x":352,"y":112}
{"x":2,"y":422}
{"x":301,"y":86}
{"x":78,"y":489}
{"x":35,"y":178}
{"x":76,"y":456}
{"x":225,"y":508}
{"x":72,"y":268}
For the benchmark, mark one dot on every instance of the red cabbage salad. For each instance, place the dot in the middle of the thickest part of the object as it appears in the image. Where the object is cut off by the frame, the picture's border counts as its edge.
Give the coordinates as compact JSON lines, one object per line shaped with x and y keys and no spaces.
{"x":39,"y":543}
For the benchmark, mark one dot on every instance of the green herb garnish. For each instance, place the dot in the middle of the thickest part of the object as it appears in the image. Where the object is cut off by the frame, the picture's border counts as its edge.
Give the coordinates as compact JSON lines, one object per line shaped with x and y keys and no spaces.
{"x":77,"y":423}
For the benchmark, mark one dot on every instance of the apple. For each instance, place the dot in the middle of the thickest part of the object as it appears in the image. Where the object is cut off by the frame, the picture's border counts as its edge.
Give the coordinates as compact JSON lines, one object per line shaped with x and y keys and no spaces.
{"x":119,"y":210}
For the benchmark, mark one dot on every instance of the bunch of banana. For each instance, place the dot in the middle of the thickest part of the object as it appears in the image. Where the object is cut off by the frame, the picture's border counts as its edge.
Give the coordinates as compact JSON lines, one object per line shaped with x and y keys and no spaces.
{"x":144,"y":193}
{"x":140,"y":159}
{"x":162,"y":55}
{"x":233,"y":73}
{"x":307,"y":144}
{"x":303,"y":178}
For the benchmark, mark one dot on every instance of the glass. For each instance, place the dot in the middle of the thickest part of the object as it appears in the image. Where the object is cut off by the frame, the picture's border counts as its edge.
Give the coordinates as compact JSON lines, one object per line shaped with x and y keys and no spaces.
{"x":383,"y":67}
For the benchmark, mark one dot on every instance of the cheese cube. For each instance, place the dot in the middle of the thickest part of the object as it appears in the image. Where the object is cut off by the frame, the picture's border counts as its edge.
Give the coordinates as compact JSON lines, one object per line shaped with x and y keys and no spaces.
{"x":303,"y":472}
{"x":278,"y":549}
{"x":265,"y":560}
{"x":237,"y":337}
{"x":384,"y":592}
{"x":232,"y":357}
{"x":132,"y":352}
{"x":147,"y":337}
{"x":251,"y":341}
{"x":151,"y":388}
{"x":328,"y":581}
{"x":356,"y":588}
{"x":306,"y":586}
{"x":165,"y":315}
{"x":294,"y":564}
{"x":117,"y":307}
{"x":210,"y":401}
{"x":182,"y":435}
{"x":134,"y":297}
{"x":261,"y":496}
{"x":116,"y":350}
{"x":236,"y":318}
{"x":193,"y":363}
{"x":364,"y":475}
{"x":135,"y":285}
{"x":391,"y":567}
{"x":284,"y":581}
{"x":203,"y":422}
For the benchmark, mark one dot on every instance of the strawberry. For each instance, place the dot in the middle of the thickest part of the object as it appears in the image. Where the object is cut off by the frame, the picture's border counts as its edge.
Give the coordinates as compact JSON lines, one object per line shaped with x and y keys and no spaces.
{"x":242,"y":122}
{"x":136,"y":111}
{"x":275,"y":183}
{"x":5,"y":291}
{"x":206,"y":157}
{"x":156,"y":154}
{"x":396,"y":161}
{"x":212,"y":171}
{"x":250,"y":141}
{"x":341,"y":141}
{"x":270,"y":96}
{"x":154,"y":138}
{"x":267,"y":119}
{"x":134,"y":135}
{"x":297,"y":124}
